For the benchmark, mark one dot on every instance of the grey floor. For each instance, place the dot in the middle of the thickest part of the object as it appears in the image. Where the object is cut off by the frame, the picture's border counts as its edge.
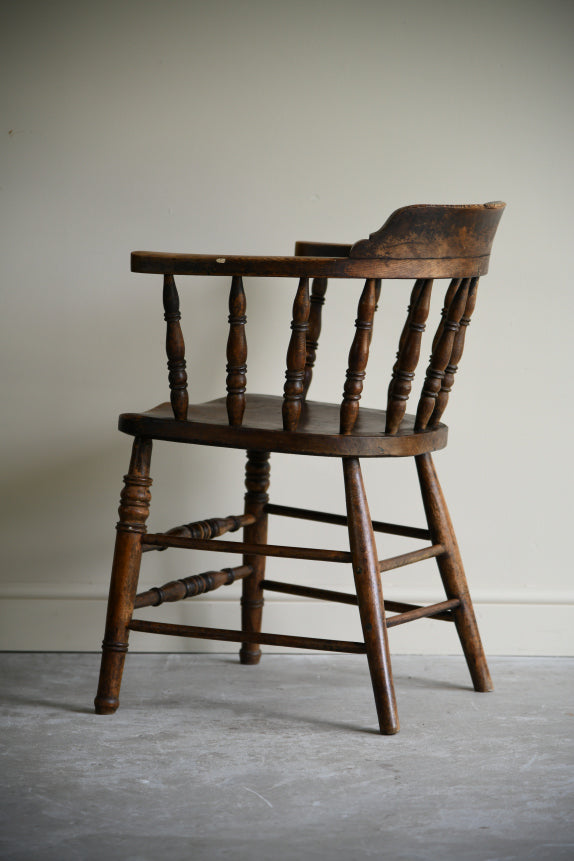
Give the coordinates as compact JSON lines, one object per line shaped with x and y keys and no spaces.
{"x":210,"y":760}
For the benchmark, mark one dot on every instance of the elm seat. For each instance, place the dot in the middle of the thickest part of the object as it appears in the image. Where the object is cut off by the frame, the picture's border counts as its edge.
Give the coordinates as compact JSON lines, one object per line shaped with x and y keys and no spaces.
{"x":317,"y":433}
{"x":440,"y":246}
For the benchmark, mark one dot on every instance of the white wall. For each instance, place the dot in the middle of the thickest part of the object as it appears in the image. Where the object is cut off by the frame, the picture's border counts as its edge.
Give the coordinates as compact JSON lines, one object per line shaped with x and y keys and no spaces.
{"x":239,"y":127}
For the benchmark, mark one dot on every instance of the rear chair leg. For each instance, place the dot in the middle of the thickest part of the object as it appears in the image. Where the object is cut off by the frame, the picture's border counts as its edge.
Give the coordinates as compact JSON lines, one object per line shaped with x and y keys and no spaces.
{"x":452,"y":572}
{"x":134,"y":509}
{"x":370,"y":595}
{"x":256,"y":498}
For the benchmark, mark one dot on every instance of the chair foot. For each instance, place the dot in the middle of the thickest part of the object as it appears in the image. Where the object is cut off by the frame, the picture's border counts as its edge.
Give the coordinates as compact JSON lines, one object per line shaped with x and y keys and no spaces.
{"x":370,"y":596}
{"x":134,"y":510}
{"x":111,"y":670}
{"x":249,"y":658}
{"x":105,"y":707}
{"x":452,"y":572}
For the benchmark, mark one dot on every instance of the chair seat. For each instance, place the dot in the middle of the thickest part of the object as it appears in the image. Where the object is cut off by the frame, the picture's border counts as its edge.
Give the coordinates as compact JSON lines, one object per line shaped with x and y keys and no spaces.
{"x":262,"y":428}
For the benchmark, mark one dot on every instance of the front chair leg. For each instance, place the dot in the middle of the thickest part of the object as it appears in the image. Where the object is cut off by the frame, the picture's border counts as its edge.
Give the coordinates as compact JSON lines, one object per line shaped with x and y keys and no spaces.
{"x":370,"y":595}
{"x":256,"y":498}
{"x":134,"y":509}
{"x":452,"y":572}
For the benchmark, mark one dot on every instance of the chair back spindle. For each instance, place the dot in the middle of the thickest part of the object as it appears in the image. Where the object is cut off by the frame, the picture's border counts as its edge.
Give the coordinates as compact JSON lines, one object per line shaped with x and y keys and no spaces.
{"x":296,"y":357}
{"x":427,"y":243}
{"x":175,"y":349}
{"x":318,"y":290}
{"x":408,"y":354}
{"x":441,"y":353}
{"x":358,"y":356}
{"x":236,"y":353}
{"x":456,"y":355}
{"x":449,"y":296}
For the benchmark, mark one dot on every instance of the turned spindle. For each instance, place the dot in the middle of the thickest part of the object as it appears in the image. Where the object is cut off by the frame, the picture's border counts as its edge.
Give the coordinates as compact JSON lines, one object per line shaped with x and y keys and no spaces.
{"x":134,"y":510}
{"x":212,"y":527}
{"x":257,"y":473}
{"x":318,"y":290}
{"x":456,"y":355}
{"x":358,"y":356}
{"x":296,"y":355}
{"x":236,"y":353}
{"x":449,"y":296}
{"x":441,"y":353}
{"x":189,"y":587}
{"x":175,"y":349}
{"x":408,"y":354}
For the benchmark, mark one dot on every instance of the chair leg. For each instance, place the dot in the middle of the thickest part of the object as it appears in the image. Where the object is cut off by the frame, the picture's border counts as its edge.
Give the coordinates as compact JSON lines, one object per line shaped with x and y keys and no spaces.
{"x":257,"y":484}
{"x":370,"y":595}
{"x":452,"y":572}
{"x":134,"y":509}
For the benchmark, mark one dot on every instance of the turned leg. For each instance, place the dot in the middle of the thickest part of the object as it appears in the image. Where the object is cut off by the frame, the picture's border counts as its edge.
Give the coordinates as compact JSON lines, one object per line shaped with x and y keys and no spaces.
{"x":134,"y":509}
{"x":452,"y":572}
{"x":370,"y":595}
{"x":257,"y":484}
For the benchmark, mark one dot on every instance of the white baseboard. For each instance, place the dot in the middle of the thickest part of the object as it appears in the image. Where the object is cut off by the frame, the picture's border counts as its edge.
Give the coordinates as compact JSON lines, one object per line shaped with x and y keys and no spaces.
{"x":42,"y":618}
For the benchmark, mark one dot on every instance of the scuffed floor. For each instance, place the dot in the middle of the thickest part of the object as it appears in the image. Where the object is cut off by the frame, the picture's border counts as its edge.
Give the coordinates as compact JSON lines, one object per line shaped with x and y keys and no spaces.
{"x":209,"y":760}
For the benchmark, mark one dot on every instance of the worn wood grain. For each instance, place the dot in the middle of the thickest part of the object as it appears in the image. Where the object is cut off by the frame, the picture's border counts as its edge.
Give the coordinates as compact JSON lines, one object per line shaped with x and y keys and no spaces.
{"x":441,"y":231}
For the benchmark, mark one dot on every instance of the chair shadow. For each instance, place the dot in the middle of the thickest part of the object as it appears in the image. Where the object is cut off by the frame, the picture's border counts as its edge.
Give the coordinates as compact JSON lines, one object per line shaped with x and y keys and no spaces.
{"x":245,"y":711}
{"x":431,"y":684}
{"x":402,"y":680}
{"x":39,"y":702}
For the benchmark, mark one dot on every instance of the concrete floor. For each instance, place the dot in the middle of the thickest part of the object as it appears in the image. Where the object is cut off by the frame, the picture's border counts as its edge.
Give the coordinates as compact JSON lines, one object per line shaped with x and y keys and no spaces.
{"x":210,"y":760}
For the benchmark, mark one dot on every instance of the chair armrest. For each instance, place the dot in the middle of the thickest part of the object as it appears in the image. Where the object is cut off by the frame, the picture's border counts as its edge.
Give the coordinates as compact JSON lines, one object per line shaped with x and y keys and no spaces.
{"x":165,"y":263}
{"x":219,"y":264}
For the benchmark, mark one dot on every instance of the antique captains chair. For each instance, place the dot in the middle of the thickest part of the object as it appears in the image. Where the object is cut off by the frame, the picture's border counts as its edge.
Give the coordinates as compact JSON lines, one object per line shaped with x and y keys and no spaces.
{"x":425,"y":243}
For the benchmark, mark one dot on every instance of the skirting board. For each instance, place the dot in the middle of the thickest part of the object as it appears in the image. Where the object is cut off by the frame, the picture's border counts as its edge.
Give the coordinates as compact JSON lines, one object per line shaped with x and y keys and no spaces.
{"x":75,"y":624}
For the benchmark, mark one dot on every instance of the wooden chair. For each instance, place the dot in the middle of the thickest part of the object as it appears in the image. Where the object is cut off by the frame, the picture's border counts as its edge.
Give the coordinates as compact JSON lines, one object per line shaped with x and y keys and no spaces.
{"x":425,"y":243}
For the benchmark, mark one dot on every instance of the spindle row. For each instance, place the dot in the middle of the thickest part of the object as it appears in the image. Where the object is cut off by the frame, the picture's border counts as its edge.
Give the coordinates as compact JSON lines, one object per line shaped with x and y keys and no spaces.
{"x":446,"y":352}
